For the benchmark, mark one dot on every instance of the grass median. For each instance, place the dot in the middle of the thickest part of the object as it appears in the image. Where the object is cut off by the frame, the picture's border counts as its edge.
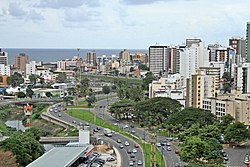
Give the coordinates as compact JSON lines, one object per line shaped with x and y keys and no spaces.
{"x":90,"y":117}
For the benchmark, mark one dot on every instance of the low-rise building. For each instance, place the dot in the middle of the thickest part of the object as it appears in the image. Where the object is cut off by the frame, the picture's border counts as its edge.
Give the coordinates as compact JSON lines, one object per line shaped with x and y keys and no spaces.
{"x":237,"y":105}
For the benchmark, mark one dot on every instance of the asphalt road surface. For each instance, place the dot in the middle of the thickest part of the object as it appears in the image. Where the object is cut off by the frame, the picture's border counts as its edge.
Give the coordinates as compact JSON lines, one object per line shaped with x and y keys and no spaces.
{"x":113,"y":140}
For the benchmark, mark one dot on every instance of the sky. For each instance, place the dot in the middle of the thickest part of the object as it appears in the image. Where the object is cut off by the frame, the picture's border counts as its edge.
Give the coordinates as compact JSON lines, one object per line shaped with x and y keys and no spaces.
{"x":116,"y":24}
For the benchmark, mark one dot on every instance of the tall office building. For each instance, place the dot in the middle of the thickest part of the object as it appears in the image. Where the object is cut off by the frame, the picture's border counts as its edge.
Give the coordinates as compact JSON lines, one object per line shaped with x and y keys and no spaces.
{"x":91,"y":58}
{"x":239,"y":44}
{"x":248,"y":42}
{"x":20,"y":62}
{"x":3,"y":57}
{"x":158,"y":59}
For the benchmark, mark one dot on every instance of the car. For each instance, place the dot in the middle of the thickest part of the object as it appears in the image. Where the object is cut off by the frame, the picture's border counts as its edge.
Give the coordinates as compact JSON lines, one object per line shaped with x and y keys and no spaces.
{"x":132,"y":126}
{"x":59,"y":115}
{"x":169,"y":148}
{"x":132,"y":155}
{"x":168,"y":144}
{"x":131,"y":163}
{"x":116,"y":124}
{"x":226,"y":158}
{"x":110,"y":158}
{"x":136,"y":145}
{"x":126,"y":143}
{"x":158,"y":144}
{"x":73,"y":121}
{"x":95,"y":130}
{"x":224,"y":162}
{"x":86,"y":124}
{"x":134,"y":150}
{"x":125,"y":126}
{"x":129,"y":151}
{"x":119,"y":141}
{"x":177,"y":165}
{"x":121,"y":146}
{"x":133,"y":131}
{"x":139,"y":162}
{"x":177,"y":151}
{"x":96,"y":154}
{"x":98,"y":128}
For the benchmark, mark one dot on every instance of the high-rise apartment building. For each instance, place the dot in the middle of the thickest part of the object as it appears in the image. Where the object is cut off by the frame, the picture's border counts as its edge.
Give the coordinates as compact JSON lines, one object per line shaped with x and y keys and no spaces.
{"x":248,"y":42}
{"x":246,"y":78}
{"x":239,"y":44}
{"x":20,"y":62}
{"x":202,"y":86}
{"x":91,"y":58}
{"x":3,"y":57}
{"x":125,"y":55}
{"x":192,"y":58}
{"x":158,"y":63}
{"x":172,"y":54}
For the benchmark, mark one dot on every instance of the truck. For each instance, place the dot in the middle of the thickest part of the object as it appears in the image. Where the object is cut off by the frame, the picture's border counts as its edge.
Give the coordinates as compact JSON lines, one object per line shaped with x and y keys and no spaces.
{"x":107,"y":132}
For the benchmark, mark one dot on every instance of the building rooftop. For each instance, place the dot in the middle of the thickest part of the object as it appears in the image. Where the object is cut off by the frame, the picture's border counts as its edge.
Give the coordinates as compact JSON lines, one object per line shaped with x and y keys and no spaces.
{"x":62,"y":156}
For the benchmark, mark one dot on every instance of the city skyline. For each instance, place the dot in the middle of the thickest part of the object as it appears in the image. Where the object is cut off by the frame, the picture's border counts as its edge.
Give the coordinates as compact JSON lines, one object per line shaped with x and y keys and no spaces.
{"x":119,"y":23}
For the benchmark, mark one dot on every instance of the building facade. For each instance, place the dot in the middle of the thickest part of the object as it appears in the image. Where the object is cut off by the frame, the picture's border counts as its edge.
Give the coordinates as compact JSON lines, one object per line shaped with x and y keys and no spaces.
{"x":20,"y":62}
{"x":158,"y":59}
{"x":3,"y":57}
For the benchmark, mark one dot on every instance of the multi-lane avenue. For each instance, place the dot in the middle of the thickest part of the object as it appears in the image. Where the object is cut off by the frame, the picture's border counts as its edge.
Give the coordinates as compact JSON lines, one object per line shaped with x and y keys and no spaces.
{"x":126,"y":157}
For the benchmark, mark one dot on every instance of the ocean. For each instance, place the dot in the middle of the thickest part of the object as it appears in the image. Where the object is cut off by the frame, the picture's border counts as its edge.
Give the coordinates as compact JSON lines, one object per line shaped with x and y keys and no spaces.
{"x":53,"y":55}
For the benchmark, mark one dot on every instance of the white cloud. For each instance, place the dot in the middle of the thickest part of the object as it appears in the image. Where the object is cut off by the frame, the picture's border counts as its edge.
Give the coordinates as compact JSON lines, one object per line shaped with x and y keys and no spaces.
{"x":120,"y":23}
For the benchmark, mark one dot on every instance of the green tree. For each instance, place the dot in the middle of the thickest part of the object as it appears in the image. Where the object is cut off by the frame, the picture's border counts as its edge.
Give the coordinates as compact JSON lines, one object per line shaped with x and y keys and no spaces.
{"x":91,"y":100}
{"x":147,"y":80}
{"x":41,"y":80}
{"x":15,"y":80}
{"x":106,"y":89}
{"x":190,"y":116}
{"x":48,"y":94}
{"x":61,"y":78}
{"x":122,"y":108}
{"x":194,"y":149}
{"x":83,"y":87}
{"x":33,"y":78}
{"x":143,"y":67}
{"x":156,"y":110}
{"x":236,"y":132}
{"x":20,"y":95}
{"x":29,"y":92}
{"x":71,"y":91}
{"x":68,"y":99}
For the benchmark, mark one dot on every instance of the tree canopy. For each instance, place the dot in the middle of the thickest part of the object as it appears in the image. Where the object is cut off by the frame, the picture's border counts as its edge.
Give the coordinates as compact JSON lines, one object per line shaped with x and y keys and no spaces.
{"x":156,"y":110}
{"x":24,"y":146}
{"x":190,"y":116}
{"x":147,"y":80}
{"x":122,"y":108}
{"x":106,"y":89}
{"x":236,"y":132}
{"x":15,"y":80}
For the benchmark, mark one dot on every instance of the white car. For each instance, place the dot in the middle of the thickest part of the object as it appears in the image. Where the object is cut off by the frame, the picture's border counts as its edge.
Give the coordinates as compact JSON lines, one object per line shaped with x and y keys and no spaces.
{"x":125,"y":126}
{"x":131,"y":163}
{"x":139,"y":162}
{"x":134,"y":150}
{"x":158,"y":144}
{"x":126,"y":143}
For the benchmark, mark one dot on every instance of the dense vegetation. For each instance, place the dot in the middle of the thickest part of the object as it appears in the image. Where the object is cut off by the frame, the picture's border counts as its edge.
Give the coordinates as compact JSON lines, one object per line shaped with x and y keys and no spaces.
{"x":24,"y":146}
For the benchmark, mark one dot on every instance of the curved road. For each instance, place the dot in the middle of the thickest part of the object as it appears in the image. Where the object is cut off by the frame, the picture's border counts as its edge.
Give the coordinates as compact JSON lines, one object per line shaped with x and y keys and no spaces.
{"x":125,"y":157}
